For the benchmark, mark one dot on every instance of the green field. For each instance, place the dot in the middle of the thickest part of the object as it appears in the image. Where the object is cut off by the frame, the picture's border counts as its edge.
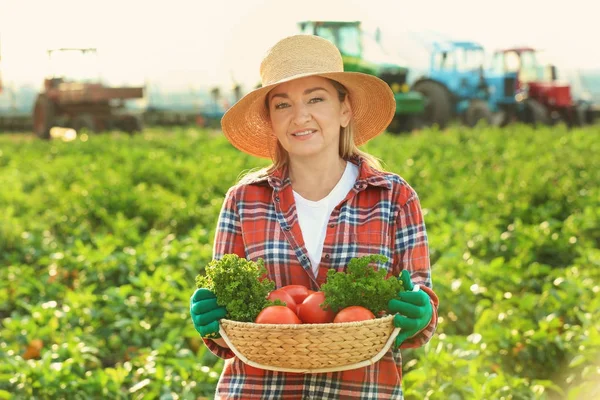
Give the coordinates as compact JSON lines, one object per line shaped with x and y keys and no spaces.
{"x":101,"y":238}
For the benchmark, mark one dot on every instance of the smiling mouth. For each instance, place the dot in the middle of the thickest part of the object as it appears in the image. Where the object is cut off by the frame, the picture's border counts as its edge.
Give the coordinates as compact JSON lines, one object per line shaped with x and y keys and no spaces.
{"x":303,"y":133}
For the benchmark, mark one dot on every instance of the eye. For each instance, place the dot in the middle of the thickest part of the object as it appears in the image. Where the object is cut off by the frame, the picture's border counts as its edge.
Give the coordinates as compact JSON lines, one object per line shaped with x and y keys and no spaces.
{"x":315,"y":100}
{"x":281,"y":105}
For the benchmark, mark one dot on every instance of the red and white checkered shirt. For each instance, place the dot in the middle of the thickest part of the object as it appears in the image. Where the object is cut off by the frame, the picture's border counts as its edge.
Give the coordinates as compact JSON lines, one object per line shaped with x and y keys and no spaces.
{"x":380,"y":215}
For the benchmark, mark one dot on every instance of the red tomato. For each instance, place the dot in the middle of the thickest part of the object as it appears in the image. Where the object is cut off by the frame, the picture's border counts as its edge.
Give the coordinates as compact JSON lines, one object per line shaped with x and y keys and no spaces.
{"x":277,"y":315}
{"x":353,"y":313}
{"x":310,"y":311}
{"x":298,"y":292}
{"x":279,"y":294}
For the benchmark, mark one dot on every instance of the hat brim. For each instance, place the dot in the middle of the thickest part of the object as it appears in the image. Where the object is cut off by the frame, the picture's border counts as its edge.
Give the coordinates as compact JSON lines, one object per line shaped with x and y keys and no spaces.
{"x":247,"y":126}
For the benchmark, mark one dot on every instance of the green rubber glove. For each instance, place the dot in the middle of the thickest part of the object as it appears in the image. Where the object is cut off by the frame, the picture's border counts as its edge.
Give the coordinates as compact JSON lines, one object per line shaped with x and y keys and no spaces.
{"x":412,"y":308}
{"x":206,"y":313}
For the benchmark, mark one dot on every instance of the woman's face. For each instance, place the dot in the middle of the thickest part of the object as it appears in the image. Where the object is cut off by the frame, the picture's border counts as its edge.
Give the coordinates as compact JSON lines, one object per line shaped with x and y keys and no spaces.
{"x":306,"y":116}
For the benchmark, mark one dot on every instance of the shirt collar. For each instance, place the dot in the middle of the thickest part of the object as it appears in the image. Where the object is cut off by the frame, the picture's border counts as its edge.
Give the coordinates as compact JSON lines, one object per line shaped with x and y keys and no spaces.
{"x":367,"y":175}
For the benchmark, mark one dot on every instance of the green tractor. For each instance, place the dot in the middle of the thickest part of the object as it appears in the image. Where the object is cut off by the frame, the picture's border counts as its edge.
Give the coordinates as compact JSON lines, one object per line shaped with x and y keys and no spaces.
{"x":350,"y":40}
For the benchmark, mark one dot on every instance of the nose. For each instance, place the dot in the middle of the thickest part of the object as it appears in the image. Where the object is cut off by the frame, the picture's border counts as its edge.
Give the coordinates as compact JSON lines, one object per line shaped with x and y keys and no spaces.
{"x":301,"y":115}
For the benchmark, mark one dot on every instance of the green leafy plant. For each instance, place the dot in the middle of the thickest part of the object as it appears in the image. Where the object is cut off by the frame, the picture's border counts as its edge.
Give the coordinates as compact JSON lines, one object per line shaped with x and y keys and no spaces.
{"x":362,"y":284}
{"x":100,"y":239}
{"x":240,"y":285}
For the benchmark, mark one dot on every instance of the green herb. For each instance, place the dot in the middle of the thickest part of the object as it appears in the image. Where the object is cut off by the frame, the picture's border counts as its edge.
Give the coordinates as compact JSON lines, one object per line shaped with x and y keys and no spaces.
{"x":361,"y":285}
{"x":240,"y":285}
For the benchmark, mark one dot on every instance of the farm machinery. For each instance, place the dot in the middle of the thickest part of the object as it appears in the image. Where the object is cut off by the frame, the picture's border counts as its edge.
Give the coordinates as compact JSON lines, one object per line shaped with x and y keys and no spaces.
{"x":0,"y":71}
{"x":74,"y":97}
{"x":546,"y":100}
{"x":457,"y":85}
{"x":350,"y":40}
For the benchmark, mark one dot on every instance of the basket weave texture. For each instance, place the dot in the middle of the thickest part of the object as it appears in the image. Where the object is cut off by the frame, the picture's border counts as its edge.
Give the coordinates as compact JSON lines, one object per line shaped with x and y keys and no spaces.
{"x":310,"y":347}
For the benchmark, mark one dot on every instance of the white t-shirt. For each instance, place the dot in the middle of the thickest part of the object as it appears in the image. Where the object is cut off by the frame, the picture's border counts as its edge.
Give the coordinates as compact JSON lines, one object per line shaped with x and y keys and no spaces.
{"x":313,"y":216}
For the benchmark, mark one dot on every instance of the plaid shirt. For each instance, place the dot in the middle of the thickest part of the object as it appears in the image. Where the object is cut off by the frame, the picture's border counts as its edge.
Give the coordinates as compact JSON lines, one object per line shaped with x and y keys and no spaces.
{"x":380,"y":215}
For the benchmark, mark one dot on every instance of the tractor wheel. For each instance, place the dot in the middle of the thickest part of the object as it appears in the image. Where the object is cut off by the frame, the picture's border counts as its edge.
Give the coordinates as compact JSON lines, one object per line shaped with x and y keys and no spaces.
{"x":403,"y":123}
{"x":84,"y":121}
{"x":536,"y":113}
{"x":590,"y":116}
{"x":478,"y":110}
{"x":505,"y":116}
{"x":579,"y":115}
{"x":131,"y":124}
{"x":438,"y":104}
{"x":574,"y":116}
{"x":397,"y":124}
{"x":415,"y":122}
{"x":43,"y":116}
{"x":585,"y":114}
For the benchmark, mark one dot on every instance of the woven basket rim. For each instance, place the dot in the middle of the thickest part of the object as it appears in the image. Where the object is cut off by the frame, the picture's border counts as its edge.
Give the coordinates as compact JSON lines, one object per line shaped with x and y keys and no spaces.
{"x":304,"y":328}
{"x":254,"y":325}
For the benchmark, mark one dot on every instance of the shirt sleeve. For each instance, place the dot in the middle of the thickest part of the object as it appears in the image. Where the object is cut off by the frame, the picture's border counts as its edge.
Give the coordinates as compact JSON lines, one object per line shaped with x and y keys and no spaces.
{"x":228,"y":236}
{"x":228,"y":240}
{"x":412,"y":254}
{"x":217,"y":350}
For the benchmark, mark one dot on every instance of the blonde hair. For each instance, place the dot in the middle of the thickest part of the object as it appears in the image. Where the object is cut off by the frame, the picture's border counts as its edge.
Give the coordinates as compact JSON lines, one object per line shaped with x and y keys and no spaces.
{"x":348,"y":148}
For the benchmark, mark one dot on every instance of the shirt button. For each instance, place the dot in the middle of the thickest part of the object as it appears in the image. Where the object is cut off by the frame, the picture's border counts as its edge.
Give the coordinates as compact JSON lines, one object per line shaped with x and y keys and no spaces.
{"x":331,"y":225}
{"x":276,"y":198}
{"x":327,"y":256}
{"x":286,"y":228}
{"x":303,"y":257}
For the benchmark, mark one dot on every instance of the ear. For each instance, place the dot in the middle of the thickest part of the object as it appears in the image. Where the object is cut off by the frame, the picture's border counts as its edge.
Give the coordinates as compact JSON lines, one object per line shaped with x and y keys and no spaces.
{"x":345,"y":112}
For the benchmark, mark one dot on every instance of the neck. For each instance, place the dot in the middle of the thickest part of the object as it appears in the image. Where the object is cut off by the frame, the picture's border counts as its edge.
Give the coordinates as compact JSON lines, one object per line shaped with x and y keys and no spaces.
{"x":314,"y":179}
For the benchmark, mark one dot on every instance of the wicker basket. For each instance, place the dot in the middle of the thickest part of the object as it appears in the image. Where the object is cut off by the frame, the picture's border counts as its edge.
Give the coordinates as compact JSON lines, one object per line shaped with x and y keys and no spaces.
{"x":310,"y":348}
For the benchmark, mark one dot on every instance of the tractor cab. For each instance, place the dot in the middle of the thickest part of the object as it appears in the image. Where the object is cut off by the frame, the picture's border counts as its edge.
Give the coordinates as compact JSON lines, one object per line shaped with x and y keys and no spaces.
{"x":547,"y":100}
{"x":345,"y":35}
{"x":526,"y":63}
{"x":361,"y":53}
{"x":72,"y":66}
{"x":460,"y":66}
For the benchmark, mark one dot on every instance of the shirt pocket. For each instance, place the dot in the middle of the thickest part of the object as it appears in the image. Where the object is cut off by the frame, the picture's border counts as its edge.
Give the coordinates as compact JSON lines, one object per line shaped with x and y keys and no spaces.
{"x":367,"y":242}
{"x":368,"y":233}
{"x":371,"y":240}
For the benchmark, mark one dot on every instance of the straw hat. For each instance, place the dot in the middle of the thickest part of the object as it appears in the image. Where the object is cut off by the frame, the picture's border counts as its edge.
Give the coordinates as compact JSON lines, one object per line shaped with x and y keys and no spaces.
{"x":247,"y":125}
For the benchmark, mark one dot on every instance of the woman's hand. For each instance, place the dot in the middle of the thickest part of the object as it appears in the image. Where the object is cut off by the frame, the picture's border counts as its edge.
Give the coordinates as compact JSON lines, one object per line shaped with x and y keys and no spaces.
{"x":413,"y":310}
{"x":206,"y":313}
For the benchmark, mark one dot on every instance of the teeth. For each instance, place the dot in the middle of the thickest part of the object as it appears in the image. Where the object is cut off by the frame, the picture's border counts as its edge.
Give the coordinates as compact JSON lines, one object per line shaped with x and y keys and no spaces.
{"x":302,"y":133}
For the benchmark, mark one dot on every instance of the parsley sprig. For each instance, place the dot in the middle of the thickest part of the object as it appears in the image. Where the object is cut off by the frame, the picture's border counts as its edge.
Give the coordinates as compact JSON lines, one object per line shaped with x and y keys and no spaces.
{"x":362,"y":284}
{"x":241,"y":286}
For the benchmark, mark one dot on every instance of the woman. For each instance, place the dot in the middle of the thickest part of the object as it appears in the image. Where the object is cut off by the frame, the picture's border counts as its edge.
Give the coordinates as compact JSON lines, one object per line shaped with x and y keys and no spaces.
{"x":321,"y":203}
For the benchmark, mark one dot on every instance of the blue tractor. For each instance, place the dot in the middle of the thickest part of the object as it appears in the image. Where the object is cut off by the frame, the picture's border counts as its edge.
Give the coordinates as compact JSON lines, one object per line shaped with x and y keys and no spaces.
{"x":458,"y":85}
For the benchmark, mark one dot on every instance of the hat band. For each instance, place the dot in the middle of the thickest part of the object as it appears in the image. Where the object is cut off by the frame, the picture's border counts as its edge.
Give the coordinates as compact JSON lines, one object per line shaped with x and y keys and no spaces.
{"x":285,"y":74}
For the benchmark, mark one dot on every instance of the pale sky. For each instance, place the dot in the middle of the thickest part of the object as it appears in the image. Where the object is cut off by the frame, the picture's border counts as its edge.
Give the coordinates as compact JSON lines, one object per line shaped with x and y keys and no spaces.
{"x":198,"y":44}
